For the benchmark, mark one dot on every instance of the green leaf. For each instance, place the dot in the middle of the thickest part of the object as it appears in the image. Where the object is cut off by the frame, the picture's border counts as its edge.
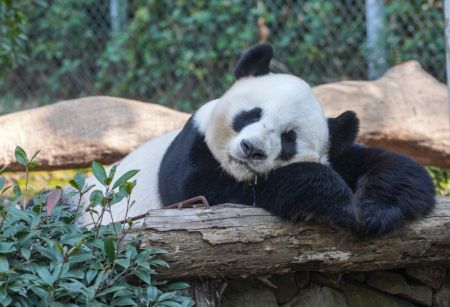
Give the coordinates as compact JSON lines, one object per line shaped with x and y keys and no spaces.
{"x":167,"y":296}
{"x":4,"y":264}
{"x":124,"y":178}
{"x":169,"y":304}
{"x":96,"y":198}
{"x":75,"y":185}
{"x":187,"y":302}
{"x":125,"y":263}
{"x":80,"y":258}
{"x":2,"y":170}
{"x":178,"y":286}
{"x":159,"y":262}
{"x":112,"y":173}
{"x":99,"y":172}
{"x":59,"y":248}
{"x":109,"y":290}
{"x":129,"y":186}
{"x":45,"y":275}
{"x":35,"y":154}
{"x":26,"y":253}
{"x":17,"y":191}
{"x":2,"y":182}
{"x":123,"y":301}
{"x":7,"y":248}
{"x":21,"y":156}
{"x":32,"y":165}
{"x":110,"y":249}
{"x":90,"y":275}
{"x":80,"y":180}
{"x":144,"y":276}
{"x":152,"y":293}
{"x":155,"y":251}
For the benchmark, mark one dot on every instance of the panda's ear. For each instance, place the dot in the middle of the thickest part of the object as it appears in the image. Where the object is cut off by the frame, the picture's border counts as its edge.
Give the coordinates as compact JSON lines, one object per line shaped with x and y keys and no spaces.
{"x":254,"y":61}
{"x":343,"y":131}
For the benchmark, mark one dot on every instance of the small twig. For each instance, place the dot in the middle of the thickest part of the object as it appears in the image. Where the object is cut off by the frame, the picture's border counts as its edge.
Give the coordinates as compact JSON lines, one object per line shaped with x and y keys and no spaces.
{"x":188,"y":203}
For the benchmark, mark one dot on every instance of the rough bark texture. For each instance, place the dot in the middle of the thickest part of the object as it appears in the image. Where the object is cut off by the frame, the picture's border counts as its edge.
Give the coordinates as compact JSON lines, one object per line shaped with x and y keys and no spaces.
{"x":239,"y":241}
{"x":73,"y":133}
{"x":405,"y":110}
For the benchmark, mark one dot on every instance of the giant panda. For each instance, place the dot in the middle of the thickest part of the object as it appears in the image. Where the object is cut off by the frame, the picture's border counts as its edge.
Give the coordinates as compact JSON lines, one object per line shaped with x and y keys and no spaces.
{"x":267,"y":143}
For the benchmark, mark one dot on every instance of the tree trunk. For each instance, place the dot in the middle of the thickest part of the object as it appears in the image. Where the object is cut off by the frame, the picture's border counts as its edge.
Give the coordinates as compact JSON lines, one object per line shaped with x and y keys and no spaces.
{"x":240,"y":241}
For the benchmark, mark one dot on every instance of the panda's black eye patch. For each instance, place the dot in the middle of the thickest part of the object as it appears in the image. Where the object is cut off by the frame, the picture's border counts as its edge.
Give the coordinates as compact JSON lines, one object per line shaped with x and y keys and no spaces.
{"x":288,"y":145}
{"x":245,"y":118}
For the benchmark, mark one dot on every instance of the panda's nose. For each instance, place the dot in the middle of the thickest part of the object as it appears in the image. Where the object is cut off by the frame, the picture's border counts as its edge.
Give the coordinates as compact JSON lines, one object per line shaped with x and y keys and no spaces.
{"x":251,"y":151}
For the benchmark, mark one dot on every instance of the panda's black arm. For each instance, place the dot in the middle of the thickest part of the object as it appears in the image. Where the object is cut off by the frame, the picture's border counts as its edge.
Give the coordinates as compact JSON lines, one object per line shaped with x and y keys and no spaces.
{"x":390,"y":189}
{"x":306,"y":190}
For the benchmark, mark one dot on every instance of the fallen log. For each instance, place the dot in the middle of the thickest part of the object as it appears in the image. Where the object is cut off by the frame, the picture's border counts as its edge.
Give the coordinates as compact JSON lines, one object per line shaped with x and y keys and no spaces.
{"x":239,"y":241}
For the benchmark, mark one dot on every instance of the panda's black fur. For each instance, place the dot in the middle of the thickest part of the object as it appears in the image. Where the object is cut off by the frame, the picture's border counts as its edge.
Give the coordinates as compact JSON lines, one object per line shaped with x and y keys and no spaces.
{"x":366,"y":191}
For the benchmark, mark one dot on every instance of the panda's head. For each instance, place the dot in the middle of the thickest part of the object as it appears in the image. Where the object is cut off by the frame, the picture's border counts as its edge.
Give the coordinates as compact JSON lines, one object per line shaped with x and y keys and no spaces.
{"x":265,"y":121}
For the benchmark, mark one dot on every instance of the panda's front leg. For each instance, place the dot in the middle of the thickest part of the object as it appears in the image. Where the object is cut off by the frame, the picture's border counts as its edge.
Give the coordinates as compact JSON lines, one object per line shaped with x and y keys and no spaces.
{"x":309,"y":190}
{"x":390,"y":189}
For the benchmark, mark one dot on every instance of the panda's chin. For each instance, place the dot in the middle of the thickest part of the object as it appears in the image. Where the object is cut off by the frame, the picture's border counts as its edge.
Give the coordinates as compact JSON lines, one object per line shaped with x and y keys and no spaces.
{"x":241,"y":169}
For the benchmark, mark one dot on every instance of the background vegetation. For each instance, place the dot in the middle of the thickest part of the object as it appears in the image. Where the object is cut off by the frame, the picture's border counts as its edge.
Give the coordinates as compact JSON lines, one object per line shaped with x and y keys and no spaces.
{"x":181,"y":53}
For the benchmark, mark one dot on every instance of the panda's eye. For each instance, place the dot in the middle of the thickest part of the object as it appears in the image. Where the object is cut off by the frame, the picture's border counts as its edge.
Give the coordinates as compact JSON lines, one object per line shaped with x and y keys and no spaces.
{"x":288,"y":145}
{"x":245,"y":118}
{"x":289,"y":136}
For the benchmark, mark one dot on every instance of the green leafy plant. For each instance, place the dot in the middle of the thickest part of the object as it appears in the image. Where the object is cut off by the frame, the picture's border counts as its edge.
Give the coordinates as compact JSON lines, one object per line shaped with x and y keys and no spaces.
{"x":441,"y":180}
{"x":47,"y":260}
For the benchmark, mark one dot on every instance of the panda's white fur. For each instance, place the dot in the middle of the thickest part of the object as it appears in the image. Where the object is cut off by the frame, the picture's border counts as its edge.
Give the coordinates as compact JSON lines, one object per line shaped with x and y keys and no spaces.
{"x":146,"y":158}
{"x":288,"y":103}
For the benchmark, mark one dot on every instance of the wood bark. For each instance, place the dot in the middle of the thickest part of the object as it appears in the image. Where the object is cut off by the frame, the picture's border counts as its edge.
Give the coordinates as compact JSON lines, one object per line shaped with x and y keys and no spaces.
{"x":405,"y":111}
{"x":239,"y":241}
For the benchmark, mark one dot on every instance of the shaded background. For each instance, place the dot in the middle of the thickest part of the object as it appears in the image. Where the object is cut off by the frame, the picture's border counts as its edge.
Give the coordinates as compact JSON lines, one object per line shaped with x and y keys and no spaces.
{"x":181,"y":53}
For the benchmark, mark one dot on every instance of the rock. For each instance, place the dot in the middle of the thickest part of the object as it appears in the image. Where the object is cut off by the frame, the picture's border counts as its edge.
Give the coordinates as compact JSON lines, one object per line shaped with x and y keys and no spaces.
{"x":248,"y":293}
{"x":286,"y":287}
{"x":316,"y":296}
{"x":73,"y":133}
{"x":303,"y":279}
{"x":333,"y":280}
{"x":357,"y":295}
{"x":442,"y":296}
{"x":356,"y":276}
{"x":406,"y":111}
{"x":396,"y":284}
{"x":431,"y":276}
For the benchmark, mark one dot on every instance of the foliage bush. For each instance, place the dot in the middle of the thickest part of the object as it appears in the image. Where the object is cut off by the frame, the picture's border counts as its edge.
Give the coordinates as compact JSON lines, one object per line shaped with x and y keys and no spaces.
{"x":12,"y":34}
{"x":441,"y":180}
{"x":47,"y":260}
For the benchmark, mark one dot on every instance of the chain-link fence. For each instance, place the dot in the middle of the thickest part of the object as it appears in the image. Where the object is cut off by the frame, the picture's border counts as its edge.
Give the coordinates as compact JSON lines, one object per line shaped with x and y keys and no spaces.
{"x":182,"y":53}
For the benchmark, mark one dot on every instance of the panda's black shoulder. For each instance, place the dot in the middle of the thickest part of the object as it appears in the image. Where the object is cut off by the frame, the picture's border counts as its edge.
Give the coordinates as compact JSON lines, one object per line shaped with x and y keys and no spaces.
{"x":189,"y":169}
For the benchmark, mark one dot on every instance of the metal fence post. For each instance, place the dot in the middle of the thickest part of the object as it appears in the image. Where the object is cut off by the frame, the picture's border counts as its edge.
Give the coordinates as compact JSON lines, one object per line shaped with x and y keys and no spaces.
{"x":376,"y":51}
{"x":447,"y":47}
{"x":118,"y":14}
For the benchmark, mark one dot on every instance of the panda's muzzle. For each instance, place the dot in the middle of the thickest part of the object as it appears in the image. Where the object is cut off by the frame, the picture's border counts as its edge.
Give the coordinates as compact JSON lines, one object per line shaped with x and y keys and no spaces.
{"x":244,"y":164}
{"x":252,"y":152}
